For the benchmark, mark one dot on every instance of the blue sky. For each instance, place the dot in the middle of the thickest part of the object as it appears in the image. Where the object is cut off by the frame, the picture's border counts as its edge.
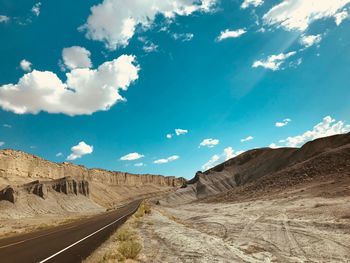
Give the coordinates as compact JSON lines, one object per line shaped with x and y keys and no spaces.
{"x":103,"y":83}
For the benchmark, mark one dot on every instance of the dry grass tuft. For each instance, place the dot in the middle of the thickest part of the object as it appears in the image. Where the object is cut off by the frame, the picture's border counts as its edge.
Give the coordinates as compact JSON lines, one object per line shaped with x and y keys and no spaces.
{"x":129,"y":249}
{"x":124,"y":234}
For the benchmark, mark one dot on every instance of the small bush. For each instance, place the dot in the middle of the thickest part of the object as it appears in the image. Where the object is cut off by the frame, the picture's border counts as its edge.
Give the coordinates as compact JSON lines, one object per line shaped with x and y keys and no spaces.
{"x":144,"y":208}
{"x":147,"y":208}
{"x":137,"y":222}
{"x":124,"y":234}
{"x":129,"y":249}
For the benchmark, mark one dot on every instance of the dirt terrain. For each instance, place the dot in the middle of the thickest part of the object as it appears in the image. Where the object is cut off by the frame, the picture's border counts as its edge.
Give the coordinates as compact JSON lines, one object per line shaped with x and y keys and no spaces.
{"x":265,"y":205}
{"x":292,"y":227}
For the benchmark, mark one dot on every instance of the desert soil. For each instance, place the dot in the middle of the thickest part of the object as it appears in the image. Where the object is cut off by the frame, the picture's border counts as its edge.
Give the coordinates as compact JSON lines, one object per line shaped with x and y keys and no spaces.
{"x":292,"y":228}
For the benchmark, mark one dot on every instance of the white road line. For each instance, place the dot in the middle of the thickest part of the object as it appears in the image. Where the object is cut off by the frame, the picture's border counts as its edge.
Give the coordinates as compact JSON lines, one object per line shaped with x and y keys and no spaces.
{"x":59,"y":252}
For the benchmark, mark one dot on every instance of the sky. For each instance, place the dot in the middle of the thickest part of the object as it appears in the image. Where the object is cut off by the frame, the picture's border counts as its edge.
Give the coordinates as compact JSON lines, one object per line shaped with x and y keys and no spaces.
{"x":170,"y":87}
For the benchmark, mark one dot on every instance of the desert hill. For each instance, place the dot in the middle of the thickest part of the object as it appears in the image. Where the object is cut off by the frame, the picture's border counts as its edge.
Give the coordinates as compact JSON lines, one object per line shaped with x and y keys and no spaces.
{"x":266,"y":170}
{"x":30,"y":185}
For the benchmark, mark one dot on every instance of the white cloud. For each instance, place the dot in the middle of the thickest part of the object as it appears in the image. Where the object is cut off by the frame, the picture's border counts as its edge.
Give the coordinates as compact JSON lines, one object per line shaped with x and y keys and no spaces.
{"x":180,"y":131}
{"x":254,"y":3}
{"x":36,"y":9}
{"x":209,"y":142}
{"x":7,"y":125}
{"x":327,"y":127}
{"x":340,"y":17}
{"x":131,"y":156}
{"x":59,"y":154}
{"x":25,"y":65}
{"x":84,"y":92}
{"x":249,"y":138}
{"x":216,"y":159}
{"x":283,"y":123}
{"x":167,"y":160}
{"x":183,"y":36}
{"x":4,"y":19}
{"x":139,"y":164}
{"x":274,"y":146}
{"x":231,"y":34}
{"x":76,"y":57}
{"x":79,"y":150}
{"x":114,"y":21}
{"x":2,"y":143}
{"x":150,"y":47}
{"x":310,"y":40}
{"x":273,"y":62}
{"x":299,"y":14}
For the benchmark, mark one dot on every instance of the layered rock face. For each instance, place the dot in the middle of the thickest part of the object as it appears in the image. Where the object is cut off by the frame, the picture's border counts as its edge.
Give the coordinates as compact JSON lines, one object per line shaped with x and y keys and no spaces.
{"x":8,"y":194}
{"x":42,"y":189}
{"x":19,"y":164}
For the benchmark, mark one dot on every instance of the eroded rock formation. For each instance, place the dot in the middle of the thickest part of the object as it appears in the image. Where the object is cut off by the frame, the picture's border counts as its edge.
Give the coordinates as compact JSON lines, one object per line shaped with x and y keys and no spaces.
{"x":16,"y":163}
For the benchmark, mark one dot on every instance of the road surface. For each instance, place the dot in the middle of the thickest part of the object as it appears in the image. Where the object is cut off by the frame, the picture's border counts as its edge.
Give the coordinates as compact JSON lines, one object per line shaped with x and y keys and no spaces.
{"x":67,"y":243}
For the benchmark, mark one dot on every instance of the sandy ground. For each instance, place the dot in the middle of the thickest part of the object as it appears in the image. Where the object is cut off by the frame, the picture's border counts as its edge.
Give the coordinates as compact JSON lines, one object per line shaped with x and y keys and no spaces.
{"x":290,"y":229}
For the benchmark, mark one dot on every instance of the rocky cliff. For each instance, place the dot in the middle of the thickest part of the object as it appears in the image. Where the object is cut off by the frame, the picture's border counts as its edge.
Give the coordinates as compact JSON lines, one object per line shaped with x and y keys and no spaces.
{"x":36,"y":178}
{"x":16,"y":165}
{"x":65,"y":185}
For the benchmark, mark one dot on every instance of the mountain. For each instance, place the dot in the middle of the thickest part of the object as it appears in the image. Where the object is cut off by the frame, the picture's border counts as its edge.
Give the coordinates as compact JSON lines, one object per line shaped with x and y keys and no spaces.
{"x":34,"y":185}
{"x":265,"y":170}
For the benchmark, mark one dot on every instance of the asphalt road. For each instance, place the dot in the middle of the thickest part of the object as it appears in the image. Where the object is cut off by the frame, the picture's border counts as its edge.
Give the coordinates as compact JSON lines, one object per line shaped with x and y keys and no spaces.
{"x":67,"y":243}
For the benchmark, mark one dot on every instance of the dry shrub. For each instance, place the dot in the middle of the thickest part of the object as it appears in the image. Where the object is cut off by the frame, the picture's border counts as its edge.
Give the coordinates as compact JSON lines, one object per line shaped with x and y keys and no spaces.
{"x":124,"y":234}
{"x":145,"y":208}
{"x":129,"y":249}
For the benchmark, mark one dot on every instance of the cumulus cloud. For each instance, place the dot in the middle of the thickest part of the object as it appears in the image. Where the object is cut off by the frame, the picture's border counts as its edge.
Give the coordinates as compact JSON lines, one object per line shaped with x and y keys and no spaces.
{"x":248,"y":3}
{"x":273,"y":62}
{"x":209,"y":142}
{"x":340,"y":17}
{"x":76,"y":57}
{"x":216,"y":159}
{"x":180,"y":131}
{"x":4,"y":19}
{"x":131,"y":156}
{"x":80,"y":150}
{"x":327,"y":127}
{"x":25,"y":65}
{"x":231,"y":34}
{"x":283,"y":123}
{"x":84,"y":92}
{"x":299,"y":14}
{"x":310,"y":40}
{"x":114,"y":21}
{"x":249,"y":138}
{"x":167,"y":160}
{"x":36,"y":9}
{"x":274,"y":146}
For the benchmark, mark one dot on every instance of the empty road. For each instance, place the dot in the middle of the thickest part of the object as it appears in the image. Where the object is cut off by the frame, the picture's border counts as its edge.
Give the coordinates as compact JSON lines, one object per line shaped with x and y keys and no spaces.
{"x":67,"y":243}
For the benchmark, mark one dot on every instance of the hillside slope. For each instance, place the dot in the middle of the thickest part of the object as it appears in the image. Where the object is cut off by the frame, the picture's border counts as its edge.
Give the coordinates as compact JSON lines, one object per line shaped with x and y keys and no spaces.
{"x":106,"y":188}
{"x":268,"y":169}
